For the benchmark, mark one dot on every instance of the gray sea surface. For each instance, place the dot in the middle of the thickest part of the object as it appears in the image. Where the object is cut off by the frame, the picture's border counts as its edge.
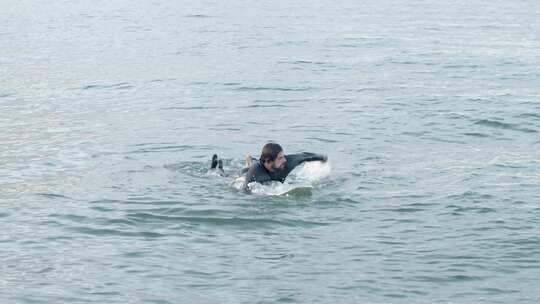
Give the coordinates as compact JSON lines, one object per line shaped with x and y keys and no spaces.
{"x":429,"y":112}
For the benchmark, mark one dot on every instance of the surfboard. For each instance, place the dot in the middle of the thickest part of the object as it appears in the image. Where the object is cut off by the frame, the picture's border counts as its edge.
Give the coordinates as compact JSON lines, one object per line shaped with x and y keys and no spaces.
{"x":301,"y":190}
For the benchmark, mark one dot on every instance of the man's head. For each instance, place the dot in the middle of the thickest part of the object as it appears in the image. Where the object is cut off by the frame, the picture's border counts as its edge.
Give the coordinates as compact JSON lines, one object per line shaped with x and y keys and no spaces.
{"x":272,"y":157}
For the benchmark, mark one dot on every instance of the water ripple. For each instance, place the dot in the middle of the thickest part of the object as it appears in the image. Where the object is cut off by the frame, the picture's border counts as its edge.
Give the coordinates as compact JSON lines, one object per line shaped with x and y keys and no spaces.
{"x":197,"y":16}
{"x":108,"y":232}
{"x":503,"y":125}
{"x":284,"y":89}
{"x":116,"y":86}
{"x":476,"y":134}
{"x":224,"y":221}
{"x":159,"y":149}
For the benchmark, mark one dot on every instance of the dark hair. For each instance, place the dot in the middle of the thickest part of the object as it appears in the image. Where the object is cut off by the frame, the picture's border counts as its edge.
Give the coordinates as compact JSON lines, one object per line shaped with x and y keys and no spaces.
{"x":269,"y":152}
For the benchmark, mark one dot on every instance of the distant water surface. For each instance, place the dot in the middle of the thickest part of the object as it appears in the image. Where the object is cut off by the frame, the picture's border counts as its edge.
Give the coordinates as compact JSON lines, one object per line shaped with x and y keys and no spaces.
{"x":429,"y":112}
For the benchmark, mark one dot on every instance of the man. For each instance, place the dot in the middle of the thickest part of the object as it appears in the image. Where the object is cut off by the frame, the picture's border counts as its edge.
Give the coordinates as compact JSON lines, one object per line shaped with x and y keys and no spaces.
{"x":274,"y":165}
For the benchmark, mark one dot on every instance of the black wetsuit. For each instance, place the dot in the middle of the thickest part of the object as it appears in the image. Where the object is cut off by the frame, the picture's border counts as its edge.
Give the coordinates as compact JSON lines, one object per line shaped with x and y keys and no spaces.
{"x":258,"y":173}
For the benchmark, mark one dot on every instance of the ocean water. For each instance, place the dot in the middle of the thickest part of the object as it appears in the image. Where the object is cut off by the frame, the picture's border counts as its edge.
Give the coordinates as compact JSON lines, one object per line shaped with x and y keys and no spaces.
{"x":429,"y":112}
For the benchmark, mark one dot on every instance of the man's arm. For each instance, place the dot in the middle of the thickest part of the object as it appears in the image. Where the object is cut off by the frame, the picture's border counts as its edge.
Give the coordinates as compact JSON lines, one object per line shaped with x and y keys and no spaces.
{"x":296,"y":159}
{"x":256,"y":174}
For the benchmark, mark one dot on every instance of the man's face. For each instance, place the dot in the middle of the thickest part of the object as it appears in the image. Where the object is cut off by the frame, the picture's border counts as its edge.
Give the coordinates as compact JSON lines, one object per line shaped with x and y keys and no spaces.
{"x":279,"y":162}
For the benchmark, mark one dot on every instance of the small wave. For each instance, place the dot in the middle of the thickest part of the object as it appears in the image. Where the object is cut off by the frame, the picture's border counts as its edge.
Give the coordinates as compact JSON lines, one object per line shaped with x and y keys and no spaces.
{"x":440,"y":139}
{"x":64,"y":219}
{"x":53,"y":195}
{"x":114,"y":232}
{"x":44,"y":270}
{"x":152,"y":144}
{"x":225,"y":221}
{"x":225,"y":129}
{"x":116,"y":86}
{"x":326,"y":140}
{"x":446,"y":279}
{"x":309,"y":62}
{"x":275,"y":256}
{"x":404,"y":62}
{"x":475,"y":209}
{"x":462,"y":66}
{"x":475,"y":134}
{"x":503,"y":125}
{"x":529,"y":115}
{"x":494,"y":123}
{"x":145,"y":217}
{"x":103,"y":209}
{"x":269,"y":106}
{"x":497,"y":291}
{"x":272,"y":89}
{"x":303,"y":62}
{"x":191,"y":108}
{"x":373,"y":89}
{"x":178,"y":148}
{"x":4,"y":95}
{"x":197,"y":16}
{"x":286,"y":100}
{"x":404,"y":209}
{"x":470,"y":195}
{"x":258,"y":123}
{"x":347,"y":45}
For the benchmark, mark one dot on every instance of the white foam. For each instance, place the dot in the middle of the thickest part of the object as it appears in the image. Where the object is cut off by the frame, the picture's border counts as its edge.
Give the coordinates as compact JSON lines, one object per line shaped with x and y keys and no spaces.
{"x":238,"y":182}
{"x":312,"y":171}
{"x":272,"y":188}
{"x":214,"y":172}
{"x":305,"y":175}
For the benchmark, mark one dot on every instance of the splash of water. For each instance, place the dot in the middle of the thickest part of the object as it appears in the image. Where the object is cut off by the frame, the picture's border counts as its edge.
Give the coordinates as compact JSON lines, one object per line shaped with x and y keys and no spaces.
{"x":312,"y":172}
{"x":306,"y":175}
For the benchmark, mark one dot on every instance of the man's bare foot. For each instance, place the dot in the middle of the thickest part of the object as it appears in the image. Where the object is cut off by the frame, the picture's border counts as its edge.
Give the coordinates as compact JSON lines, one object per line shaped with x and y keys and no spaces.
{"x":214,"y":162}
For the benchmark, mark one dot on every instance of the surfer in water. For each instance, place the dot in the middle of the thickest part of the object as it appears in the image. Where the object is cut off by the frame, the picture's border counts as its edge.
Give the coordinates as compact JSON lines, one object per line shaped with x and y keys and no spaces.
{"x":273,"y":165}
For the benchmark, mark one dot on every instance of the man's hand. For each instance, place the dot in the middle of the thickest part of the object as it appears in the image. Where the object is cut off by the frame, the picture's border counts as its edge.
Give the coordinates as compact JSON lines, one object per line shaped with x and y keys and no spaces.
{"x":249,"y":160}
